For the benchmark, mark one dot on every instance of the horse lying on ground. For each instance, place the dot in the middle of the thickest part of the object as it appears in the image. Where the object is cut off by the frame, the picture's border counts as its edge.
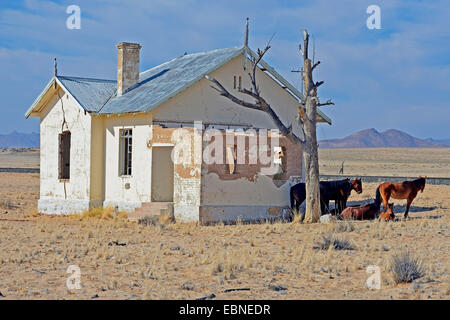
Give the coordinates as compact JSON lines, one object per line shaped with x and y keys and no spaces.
{"x":389,"y":214}
{"x":368,"y":212}
{"x":339,"y":191}
{"x":403,"y":190}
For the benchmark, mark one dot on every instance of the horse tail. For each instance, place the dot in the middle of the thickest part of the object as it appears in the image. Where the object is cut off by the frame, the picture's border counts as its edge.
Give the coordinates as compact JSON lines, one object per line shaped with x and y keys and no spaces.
{"x":378,"y":197}
{"x":291,"y":194}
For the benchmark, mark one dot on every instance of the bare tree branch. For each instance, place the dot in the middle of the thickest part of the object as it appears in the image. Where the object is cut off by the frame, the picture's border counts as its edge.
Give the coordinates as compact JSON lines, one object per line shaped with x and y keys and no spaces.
{"x":318,"y":84}
{"x":305,"y":43}
{"x":329,"y":102}
{"x":315,"y":65}
{"x":300,"y":49}
{"x":260,"y":105}
{"x":224,"y":92}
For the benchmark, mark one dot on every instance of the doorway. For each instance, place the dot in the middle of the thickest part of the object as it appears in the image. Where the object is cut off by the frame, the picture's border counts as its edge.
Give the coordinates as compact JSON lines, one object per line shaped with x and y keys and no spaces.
{"x":162,"y":174}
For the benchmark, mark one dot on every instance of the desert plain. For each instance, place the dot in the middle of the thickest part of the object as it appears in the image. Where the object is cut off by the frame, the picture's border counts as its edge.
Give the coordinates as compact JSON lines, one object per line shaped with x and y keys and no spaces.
{"x":119,"y":259}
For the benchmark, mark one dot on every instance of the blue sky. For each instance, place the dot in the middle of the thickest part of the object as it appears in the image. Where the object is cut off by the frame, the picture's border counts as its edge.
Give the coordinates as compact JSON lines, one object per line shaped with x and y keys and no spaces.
{"x":396,"y":77}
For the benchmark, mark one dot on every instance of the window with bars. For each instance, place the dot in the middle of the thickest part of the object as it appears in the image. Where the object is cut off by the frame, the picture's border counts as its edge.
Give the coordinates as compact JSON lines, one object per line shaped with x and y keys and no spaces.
{"x":126,"y":139}
{"x":64,"y":156}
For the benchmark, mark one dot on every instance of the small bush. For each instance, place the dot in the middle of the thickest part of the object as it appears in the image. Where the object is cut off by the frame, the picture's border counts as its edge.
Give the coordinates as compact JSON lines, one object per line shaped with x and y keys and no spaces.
{"x":148,"y":221}
{"x":344,"y":226}
{"x":6,"y":204}
{"x":160,"y":220}
{"x":227,"y":263}
{"x":405,"y":267}
{"x":335,"y":243}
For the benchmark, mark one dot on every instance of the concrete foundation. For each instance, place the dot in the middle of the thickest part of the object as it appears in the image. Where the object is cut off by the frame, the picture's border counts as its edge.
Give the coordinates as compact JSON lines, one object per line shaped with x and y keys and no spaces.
{"x":233,"y":213}
{"x":126,"y":206}
{"x":65,"y":206}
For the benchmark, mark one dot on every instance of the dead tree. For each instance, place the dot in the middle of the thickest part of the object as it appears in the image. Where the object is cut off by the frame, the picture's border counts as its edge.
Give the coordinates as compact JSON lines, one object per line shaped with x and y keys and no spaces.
{"x":307,"y":119}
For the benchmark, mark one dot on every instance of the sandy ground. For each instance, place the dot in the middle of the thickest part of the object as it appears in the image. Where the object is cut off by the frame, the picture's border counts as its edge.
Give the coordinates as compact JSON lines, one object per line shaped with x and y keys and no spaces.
{"x":408,"y":162}
{"x":404,"y":162}
{"x":125,"y":260}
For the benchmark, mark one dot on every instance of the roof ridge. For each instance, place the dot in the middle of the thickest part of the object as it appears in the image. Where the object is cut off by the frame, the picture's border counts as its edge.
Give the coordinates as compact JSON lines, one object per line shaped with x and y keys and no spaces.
{"x":84,"y":78}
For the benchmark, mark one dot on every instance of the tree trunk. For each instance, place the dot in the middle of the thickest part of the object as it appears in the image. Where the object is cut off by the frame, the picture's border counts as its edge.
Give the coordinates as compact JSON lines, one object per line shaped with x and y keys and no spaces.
{"x":311,"y":156}
{"x":307,"y":112}
{"x":311,"y":161}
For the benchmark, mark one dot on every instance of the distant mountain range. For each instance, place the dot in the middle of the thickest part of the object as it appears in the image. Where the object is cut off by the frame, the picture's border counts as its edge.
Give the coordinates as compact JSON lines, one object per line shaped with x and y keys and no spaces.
{"x":443,"y":141}
{"x":19,"y":140}
{"x":371,"y":138}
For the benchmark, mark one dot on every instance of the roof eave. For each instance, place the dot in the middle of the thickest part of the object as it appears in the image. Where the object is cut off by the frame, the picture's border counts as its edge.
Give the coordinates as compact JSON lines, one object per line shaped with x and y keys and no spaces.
{"x":39,"y":98}
{"x":36,"y":102}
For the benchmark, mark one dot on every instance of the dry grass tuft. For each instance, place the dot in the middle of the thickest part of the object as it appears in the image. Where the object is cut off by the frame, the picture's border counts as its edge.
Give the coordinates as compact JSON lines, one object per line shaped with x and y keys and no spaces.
{"x":343,"y":226}
{"x":227,"y":263}
{"x":406,"y":267}
{"x":331,"y":241}
{"x":6,"y":204}
{"x":100,"y":213}
{"x":166,"y":219}
{"x":296,"y":217}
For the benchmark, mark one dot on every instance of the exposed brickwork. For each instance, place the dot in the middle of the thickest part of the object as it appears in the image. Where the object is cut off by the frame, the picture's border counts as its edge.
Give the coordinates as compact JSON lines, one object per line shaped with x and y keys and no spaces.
{"x":292,"y":164}
{"x":166,"y":135}
{"x":188,"y":176}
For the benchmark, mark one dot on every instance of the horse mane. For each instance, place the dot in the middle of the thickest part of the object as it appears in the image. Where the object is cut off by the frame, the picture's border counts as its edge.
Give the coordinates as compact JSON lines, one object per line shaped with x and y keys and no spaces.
{"x":339,"y":183}
{"x":419,"y":182}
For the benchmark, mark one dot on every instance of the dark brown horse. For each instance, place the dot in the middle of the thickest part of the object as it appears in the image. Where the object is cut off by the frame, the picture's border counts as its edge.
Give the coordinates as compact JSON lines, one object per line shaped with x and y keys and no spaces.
{"x":368,"y":212}
{"x":341,"y":201}
{"x":403,"y":190}
{"x":339,"y":191}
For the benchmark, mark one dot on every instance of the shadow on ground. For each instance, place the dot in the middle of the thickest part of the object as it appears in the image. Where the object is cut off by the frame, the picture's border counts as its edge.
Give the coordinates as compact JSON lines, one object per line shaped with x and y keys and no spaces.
{"x":397,"y":208}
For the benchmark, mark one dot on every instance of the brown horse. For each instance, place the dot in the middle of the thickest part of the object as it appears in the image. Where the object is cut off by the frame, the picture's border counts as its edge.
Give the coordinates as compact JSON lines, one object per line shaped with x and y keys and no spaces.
{"x":388,"y":215}
{"x":403,"y":190}
{"x":368,"y":212}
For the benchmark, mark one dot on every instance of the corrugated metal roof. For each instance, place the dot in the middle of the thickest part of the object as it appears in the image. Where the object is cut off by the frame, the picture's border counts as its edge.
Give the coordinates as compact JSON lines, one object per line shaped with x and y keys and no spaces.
{"x":160,"y":83}
{"x":91,"y":94}
{"x":156,"y":85}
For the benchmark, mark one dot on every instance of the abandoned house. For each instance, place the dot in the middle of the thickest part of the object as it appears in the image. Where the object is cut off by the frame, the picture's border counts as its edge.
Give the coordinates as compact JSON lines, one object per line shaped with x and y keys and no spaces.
{"x":110,"y":143}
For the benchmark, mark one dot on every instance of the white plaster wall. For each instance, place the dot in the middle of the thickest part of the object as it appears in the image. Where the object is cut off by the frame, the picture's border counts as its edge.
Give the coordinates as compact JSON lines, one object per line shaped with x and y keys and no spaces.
{"x":187,"y":192}
{"x":241,"y":191}
{"x":140,"y":181}
{"x":52,"y":191}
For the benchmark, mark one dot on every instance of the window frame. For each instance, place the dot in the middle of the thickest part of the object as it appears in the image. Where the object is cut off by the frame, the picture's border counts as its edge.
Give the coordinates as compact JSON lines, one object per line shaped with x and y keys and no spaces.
{"x":125,"y":156}
{"x":62,"y":154}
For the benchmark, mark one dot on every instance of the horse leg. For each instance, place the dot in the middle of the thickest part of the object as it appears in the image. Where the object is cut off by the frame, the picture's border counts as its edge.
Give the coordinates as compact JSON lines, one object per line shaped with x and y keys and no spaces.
{"x":322,"y":207}
{"x":325,"y":207}
{"x":342,"y":204}
{"x":385,"y":196}
{"x":408,"y":204}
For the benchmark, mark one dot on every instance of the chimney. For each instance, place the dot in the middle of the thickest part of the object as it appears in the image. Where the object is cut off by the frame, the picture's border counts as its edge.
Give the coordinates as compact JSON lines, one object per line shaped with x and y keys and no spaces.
{"x":127,"y":66}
